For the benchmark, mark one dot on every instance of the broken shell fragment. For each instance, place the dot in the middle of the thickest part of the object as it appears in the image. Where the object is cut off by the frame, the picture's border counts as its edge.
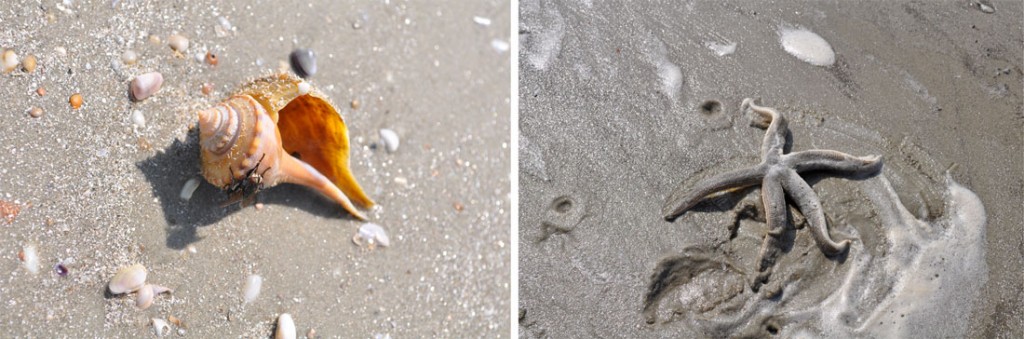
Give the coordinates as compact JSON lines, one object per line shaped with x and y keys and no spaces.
{"x":285,"y":327}
{"x":275,"y":130}
{"x":160,"y":327}
{"x":128,"y":279}
{"x":372,"y":235}
{"x":146,"y":85}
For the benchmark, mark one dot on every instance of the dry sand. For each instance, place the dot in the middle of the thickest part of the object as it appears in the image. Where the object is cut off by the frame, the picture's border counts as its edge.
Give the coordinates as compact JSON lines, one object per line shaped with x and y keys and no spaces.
{"x":96,"y":193}
{"x":611,"y":123}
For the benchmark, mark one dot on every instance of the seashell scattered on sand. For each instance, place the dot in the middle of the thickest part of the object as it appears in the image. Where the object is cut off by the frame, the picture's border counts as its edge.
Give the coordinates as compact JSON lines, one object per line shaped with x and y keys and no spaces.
{"x":285,"y":327}
{"x":128,"y":279}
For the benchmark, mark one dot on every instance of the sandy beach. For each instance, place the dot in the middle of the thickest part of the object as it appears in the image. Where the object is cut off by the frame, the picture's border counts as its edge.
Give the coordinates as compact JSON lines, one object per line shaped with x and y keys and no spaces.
{"x":624,"y":104}
{"x":92,"y":190}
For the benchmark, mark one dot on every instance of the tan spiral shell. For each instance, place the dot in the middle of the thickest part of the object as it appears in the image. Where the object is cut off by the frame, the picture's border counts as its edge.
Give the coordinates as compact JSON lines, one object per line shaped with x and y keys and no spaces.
{"x":248,"y":140}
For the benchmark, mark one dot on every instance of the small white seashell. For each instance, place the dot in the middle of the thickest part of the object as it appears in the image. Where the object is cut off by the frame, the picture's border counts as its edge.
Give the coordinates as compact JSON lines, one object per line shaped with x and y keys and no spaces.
{"x":31,"y":259}
{"x":128,"y":279}
{"x":390,"y":139}
{"x":160,"y":326}
{"x":252,"y":288}
{"x":61,"y":51}
{"x":178,"y":43}
{"x":10,"y":61}
{"x":285,"y":327}
{"x":145,"y":85}
{"x":482,"y":21}
{"x":499,"y":45}
{"x":138,"y":119}
{"x":303,"y":88}
{"x":373,"y":235}
{"x":189,"y":188}
{"x":129,"y":57}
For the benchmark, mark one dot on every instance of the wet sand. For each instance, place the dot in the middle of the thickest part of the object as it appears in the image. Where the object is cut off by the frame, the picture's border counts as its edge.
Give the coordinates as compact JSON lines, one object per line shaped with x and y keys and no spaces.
{"x":97,"y":193}
{"x":615,"y":117}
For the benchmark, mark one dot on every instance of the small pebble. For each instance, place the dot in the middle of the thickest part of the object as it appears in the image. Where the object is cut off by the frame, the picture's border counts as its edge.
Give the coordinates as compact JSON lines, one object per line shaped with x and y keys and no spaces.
{"x":129,"y":57}
{"x":138,"y":119}
{"x":252,"y":288}
{"x":146,"y":85}
{"x":458,"y":207}
{"x":174,"y":320}
{"x":29,"y":63}
{"x":390,"y":139}
{"x":75,"y":101}
{"x":355,"y":104}
{"x":223,"y":28}
{"x":178,"y":43}
{"x":303,"y":62}
{"x":41,"y":91}
{"x":10,"y":61}
{"x":207,"y":88}
{"x":61,"y":50}
{"x":188,"y":189}
{"x":259,"y":206}
{"x":304,"y":88}
{"x":35,"y":112}
{"x":153,"y":39}
{"x":60,"y":269}
{"x":211,"y":58}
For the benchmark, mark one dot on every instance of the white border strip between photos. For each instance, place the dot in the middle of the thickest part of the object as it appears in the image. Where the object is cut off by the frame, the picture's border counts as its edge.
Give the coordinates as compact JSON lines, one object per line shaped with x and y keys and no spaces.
{"x":514,"y":171}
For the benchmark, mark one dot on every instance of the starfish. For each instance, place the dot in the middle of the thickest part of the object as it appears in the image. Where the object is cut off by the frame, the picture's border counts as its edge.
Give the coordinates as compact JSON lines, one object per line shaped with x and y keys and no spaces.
{"x":778,"y":174}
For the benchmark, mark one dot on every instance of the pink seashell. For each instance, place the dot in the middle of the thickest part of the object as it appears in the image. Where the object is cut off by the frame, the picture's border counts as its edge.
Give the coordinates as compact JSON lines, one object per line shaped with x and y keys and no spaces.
{"x":128,"y":279}
{"x":146,"y":85}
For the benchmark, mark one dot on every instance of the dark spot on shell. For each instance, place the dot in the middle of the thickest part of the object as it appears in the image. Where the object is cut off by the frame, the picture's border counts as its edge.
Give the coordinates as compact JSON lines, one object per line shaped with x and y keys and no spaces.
{"x":303,"y":62}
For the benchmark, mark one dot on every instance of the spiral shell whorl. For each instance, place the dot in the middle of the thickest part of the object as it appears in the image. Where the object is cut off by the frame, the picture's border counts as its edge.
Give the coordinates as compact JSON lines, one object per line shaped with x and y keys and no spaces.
{"x":233,"y":139}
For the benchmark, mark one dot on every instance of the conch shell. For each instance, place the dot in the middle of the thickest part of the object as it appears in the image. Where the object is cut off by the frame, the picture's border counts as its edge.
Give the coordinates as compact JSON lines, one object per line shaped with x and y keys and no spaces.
{"x":278,"y":129}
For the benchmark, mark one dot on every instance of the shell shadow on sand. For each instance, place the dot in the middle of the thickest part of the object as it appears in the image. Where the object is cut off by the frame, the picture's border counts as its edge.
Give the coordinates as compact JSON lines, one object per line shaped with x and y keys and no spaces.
{"x":168,"y":170}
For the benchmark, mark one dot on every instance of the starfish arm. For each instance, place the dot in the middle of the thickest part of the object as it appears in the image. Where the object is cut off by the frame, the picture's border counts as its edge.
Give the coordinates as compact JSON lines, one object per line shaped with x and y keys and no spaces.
{"x":777,"y":128}
{"x":681,"y":200}
{"x":774,"y":199}
{"x":810,"y":206}
{"x":828,"y":160}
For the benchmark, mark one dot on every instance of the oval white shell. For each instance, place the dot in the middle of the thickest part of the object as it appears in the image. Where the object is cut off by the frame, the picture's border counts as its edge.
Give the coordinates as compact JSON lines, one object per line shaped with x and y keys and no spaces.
{"x":128,"y":279}
{"x":252,"y":288}
{"x":145,"y":85}
{"x":390,"y":139}
{"x":285,"y":327}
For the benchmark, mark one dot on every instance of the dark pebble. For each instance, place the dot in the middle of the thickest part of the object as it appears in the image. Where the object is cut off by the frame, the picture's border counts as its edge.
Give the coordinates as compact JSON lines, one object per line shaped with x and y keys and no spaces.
{"x":303,"y":62}
{"x":60,"y":269}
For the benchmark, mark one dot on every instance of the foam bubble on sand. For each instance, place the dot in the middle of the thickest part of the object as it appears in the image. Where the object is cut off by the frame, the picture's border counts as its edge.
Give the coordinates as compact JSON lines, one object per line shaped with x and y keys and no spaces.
{"x":924,"y":283}
{"x":807,"y":46}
